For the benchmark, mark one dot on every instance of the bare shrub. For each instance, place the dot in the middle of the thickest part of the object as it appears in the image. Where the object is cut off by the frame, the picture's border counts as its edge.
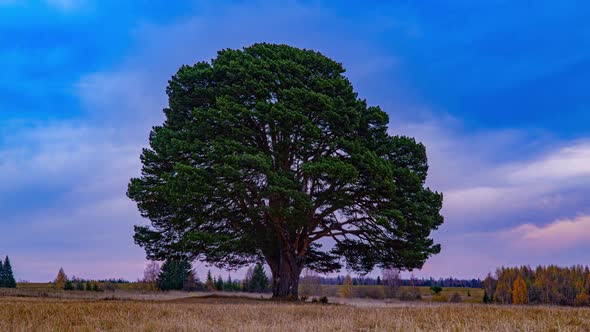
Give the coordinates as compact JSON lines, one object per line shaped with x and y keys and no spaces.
{"x":309,"y":285}
{"x":376,"y":292}
{"x":109,"y":286}
{"x":392,"y":281}
{"x":150,"y":275}
{"x":455,"y":298}
{"x":412,"y":294}
{"x":582,"y":300}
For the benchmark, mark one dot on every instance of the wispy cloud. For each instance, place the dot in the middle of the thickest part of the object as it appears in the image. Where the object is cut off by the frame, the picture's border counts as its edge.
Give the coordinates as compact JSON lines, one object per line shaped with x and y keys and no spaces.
{"x":63,"y":190}
{"x":571,"y":162}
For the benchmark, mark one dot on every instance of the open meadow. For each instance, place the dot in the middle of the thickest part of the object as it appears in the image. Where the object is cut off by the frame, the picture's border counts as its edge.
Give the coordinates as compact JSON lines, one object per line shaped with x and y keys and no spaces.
{"x":231,"y":314}
{"x":44,"y":310}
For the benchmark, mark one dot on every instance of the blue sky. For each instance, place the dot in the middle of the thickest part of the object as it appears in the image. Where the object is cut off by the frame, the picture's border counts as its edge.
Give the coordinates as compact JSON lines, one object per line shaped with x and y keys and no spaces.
{"x":497,"y":91}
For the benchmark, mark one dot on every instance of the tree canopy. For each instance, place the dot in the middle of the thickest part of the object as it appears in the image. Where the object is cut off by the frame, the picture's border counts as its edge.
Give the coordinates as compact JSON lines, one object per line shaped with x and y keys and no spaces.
{"x":268,"y":151}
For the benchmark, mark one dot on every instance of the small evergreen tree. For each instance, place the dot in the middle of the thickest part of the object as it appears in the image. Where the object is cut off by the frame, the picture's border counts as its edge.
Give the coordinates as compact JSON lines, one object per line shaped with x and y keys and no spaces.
{"x":68,"y":285}
{"x":95,"y":287}
{"x":174,"y":273}
{"x":210,"y":284}
{"x":228,"y":285}
{"x":79,"y":286}
{"x":219,"y":283}
{"x":436,"y":289}
{"x":378,"y":280}
{"x":7,"y":275}
{"x":259,"y":280}
{"x":88,"y":286}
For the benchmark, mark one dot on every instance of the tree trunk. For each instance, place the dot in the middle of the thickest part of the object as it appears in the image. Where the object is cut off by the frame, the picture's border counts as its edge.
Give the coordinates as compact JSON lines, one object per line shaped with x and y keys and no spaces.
{"x":285,"y":277}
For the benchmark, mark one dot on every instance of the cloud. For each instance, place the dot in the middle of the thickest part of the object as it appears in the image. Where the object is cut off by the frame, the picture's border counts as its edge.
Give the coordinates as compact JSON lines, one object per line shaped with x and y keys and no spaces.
{"x":567,"y":163}
{"x":494,"y":178}
{"x":124,"y":100}
{"x":60,"y":152}
{"x":495,"y":183}
{"x":63,"y":182}
{"x":559,"y":234}
{"x":63,"y":197}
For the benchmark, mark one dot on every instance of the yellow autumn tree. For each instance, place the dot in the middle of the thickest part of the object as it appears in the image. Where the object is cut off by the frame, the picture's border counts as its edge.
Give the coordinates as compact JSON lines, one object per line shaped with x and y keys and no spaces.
{"x":519,"y":291}
{"x":346,"y":288}
{"x":61,"y":279}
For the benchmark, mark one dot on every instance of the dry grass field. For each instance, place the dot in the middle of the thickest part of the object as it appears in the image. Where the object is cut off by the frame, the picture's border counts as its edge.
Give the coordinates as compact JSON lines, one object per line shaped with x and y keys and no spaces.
{"x":470,"y":295}
{"x":249,"y":314}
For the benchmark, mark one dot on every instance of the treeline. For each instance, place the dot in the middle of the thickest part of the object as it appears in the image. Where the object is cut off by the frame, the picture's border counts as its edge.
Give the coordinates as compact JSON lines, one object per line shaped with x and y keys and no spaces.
{"x":6,"y":275}
{"x":63,"y":282}
{"x":178,"y":274}
{"x":446,"y":282}
{"x":369,"y":281}
{"x":256,"y":281}
{"x":551,"y":284}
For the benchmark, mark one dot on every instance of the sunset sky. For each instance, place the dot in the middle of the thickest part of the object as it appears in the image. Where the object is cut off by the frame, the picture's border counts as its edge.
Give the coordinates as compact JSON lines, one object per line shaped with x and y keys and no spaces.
{"x":498,"y":93}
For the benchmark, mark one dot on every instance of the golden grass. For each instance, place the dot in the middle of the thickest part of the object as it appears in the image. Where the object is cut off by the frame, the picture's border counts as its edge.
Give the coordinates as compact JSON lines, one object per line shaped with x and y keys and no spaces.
{"x":230,"y":314}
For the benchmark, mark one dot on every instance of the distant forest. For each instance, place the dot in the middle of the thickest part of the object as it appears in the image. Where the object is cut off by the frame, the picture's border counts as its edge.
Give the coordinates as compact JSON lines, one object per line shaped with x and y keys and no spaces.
{"x":369,"y":281}
{"x":542,"y":285}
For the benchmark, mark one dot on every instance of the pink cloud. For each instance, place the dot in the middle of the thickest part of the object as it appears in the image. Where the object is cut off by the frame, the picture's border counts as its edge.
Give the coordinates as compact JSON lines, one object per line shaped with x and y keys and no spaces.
{"x":559,"y":234}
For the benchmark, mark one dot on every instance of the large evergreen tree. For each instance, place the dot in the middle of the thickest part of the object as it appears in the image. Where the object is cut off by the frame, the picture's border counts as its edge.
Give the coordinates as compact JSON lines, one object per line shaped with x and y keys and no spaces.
{"x":7,"y":274}
{"x":173,"y":273}
{"x":259,"y":281}
{"x":268,"y":150}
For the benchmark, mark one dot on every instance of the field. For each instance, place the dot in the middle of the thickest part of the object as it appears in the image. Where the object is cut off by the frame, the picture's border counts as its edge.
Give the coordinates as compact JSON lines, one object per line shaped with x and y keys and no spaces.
{"x":470,"y":295}
{"x":30,"y":310}
{"x":230,"y":314}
